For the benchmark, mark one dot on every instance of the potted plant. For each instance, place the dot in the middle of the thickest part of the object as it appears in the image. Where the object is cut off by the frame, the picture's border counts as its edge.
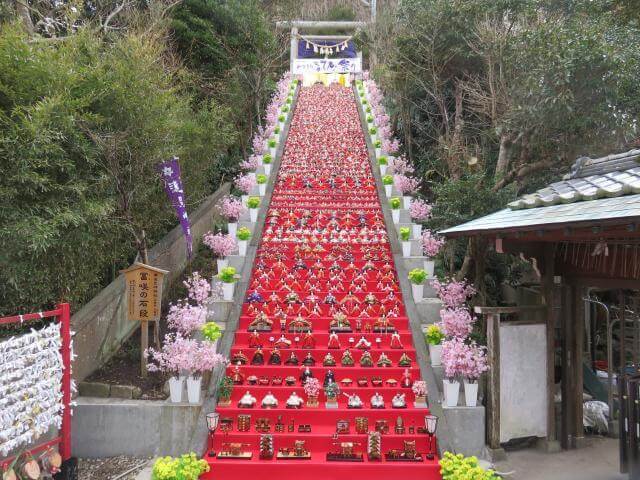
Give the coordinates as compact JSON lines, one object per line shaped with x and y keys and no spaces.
{"x":373,"y":131}
{"x":368,"y":109}
{"x":228,"y":277}
{"x":231,"y":208}
{"x":455,"y":354}
{"x":419,"y":211}
{"x":387,"y":181}
{"x":174,"y":358}
{"x":431,"y":245}
{"x":395,"y":205}
{"x":419,"y":389}
{"x":225,"y":388}
{"x":405,"y":237}
{"x":476,"y":367}
{"x":281,"y":119}
{"x":245,"y":184}
{"x":434,"y":338}
{"x":253,"y":203}
{"x":243,"y":235}
{"x":312,"y":390}
{"x":417,"y":277}
{"x":204,"y":359}
{"x":370,"y":119}
{"x":378,"y":145}
{"x":406,"y":186}
{"x":221,"y":245}
{"x":455,"y":467}
{"x":262,"y":184}
{"x":266,"y":162}
{"x":382,"y":163}
{"x":211,"y":332}
{"x":272,"y":144}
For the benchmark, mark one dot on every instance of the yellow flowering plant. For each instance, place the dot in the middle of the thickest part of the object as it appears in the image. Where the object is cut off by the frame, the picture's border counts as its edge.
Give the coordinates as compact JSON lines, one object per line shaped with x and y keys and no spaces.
{"x":185,"y":467}
{"x":459,"y":467}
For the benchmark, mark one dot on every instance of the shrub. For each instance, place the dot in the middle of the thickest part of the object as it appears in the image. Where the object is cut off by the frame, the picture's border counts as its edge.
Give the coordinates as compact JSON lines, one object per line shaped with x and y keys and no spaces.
{"x":253,"y":202}
{"x":373,"y":130}
{"x":395,"y":203}
{"x":281,"y":118}
{"x":434,"y":335}
{"x":368,"y":109}
{"x":387,"y":180}
{"x":243,"y":234}
{"x":377,"y":144}
{"x":285,"y":109}
{"x":276,"y":130}
{"x":267,"y":159}
{"x":272,"y":143}
{"x":364,"y":101}
{"x":261,"y":179}
{"x":369,"y":118}
{"x":417,"y":276}
{"x":228,"y":275}
{"x":383,"y":161}
{"x":405,"y":234}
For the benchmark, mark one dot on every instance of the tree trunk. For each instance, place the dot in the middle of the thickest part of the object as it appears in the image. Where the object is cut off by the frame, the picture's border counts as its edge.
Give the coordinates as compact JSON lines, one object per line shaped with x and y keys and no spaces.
{"x":457,"y":149}
{"x":504,"y":155}
{"x":22,"y":7}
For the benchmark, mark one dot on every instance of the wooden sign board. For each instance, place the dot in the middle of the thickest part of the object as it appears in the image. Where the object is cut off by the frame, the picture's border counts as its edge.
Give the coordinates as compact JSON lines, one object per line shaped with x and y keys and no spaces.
{"x":144,"y":292}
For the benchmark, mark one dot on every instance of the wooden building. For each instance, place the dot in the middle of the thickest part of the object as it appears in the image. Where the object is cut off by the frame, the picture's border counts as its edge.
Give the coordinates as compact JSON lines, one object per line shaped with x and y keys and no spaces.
{"x":582,"y":235}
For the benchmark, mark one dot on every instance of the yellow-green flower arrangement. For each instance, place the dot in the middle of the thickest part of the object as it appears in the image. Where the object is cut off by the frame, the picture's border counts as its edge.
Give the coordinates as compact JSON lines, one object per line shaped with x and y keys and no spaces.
{"x":459,"y":467}
{"x":186,"y":467}
{"x":211,"y":331}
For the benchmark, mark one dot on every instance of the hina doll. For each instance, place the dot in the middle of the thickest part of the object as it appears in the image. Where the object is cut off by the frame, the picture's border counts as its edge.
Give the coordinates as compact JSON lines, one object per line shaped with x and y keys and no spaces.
{"x":347,"y":359}
{"x":398,"y":401}
{"x":334,"y":341}
{"x":366,"y":360}
{"x":247,"y":401}
{"x":236,"y":376}
{"x":308,"y":342}
{"x":292,"y":360}
{"x":363,"y":344}
{"x":395,"y":341}
{"x":309,"y":361}
{"x":328,"y":360}
{"x":269,"y":401}
{"x":294,"y":401}
{"x":239,"y":358}
{"x":405,"y":360}
{"x":384,"y":361}
{"x":377,"y":401}
{"x":406,"y":381}
{"x":254,"y":340}
{"x":274,"y":358}
{"x":305,"y":374}
{"x":258,"y":357}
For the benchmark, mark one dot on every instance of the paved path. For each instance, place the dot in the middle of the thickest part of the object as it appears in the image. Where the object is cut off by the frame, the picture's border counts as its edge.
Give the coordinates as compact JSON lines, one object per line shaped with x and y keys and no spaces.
{"x":597,"y":461}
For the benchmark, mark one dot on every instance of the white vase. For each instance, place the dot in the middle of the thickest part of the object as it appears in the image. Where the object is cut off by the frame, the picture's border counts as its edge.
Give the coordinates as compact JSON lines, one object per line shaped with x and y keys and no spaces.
{"x":272,"y":151}
{"x":281,"y":124}
{"x":416,"y":230}
{"x":435,"y":354}
{"x":451,"y":392}
{"x":242,"y":247}
{"x":383,"y":169}
{"x":374,"y":137}
{"x":244,"y":199}
{"x":253,"y":214}
{"x":395,"y":213}
{"x":471,"y":393}
{"x":429,"y":266}
{"x":406,"y":202}
{"x":194,"y":385}
{"x":227,"y":291}
{"x":267,"y":169}
{"x":416,"y":290}
{"x":175,"y":389}
{"x":222,"y":263}
{"x":378,"y":152}
{"x":233,"y":228}
{"x":387,"y":190}
{"x":262,"y":189}
{"x":406,"y":249}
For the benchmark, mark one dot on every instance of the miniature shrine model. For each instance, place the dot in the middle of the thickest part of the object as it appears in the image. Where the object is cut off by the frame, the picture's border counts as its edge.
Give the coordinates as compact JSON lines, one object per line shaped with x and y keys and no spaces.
{"x":323,"y":362}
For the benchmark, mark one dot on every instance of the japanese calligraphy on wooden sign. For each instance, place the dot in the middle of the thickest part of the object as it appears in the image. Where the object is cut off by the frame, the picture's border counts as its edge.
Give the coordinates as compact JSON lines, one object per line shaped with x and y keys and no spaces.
{"x":143,"y":291}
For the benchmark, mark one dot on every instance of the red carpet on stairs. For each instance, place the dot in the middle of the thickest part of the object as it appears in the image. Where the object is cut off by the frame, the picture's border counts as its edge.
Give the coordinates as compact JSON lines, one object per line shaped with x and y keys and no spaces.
{"x":324,"y":264}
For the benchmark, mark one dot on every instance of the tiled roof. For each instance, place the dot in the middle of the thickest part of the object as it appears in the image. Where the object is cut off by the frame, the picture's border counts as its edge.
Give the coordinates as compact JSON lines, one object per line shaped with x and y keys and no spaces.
{"x":596,"y":189}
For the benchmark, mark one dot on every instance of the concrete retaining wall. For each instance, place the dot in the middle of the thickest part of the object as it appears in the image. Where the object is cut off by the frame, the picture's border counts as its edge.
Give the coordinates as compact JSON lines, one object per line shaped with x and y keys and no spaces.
{"x":102,"y":326}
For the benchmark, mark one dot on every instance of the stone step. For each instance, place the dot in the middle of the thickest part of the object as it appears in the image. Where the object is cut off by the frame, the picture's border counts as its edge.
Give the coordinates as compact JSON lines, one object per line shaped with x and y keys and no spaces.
{"x":429,"y":310}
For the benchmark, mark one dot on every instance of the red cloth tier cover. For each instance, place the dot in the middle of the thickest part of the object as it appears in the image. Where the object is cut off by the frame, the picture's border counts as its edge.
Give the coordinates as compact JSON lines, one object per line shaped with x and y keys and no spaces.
{"x":324,"y":253}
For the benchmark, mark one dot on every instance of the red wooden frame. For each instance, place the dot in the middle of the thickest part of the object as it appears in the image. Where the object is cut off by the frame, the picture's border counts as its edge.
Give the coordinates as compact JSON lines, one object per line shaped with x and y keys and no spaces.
{"x":63,"y":314}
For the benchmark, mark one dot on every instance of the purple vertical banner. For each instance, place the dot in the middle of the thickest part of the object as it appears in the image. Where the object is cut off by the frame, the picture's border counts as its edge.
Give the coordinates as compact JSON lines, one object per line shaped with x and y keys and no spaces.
{"x":170,"y":174}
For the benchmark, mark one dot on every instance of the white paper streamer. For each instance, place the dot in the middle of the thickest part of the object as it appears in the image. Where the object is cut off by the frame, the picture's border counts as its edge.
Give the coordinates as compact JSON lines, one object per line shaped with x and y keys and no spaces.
{"x":31,"y":398}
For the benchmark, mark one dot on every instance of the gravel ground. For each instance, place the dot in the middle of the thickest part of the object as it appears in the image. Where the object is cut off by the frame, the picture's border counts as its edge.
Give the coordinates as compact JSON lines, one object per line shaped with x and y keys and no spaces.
{"x":109,"y":468}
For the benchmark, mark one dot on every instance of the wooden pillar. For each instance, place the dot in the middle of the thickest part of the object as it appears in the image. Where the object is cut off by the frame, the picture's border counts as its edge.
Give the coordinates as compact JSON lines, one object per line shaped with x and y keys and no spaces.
{"x":552,"y":301}
{"x":493,"y":381}
{"x":294,"y":48}
{"x":578,"y":371}
{"x":566,"y":437}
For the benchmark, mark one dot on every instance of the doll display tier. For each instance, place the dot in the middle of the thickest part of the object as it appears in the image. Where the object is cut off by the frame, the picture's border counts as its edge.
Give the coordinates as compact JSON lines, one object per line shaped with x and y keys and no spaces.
{"x":324,"y":302}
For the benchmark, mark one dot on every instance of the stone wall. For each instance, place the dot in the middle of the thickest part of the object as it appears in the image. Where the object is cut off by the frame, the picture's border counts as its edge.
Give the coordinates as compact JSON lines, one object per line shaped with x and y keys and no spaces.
{"x":101,"y":326}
